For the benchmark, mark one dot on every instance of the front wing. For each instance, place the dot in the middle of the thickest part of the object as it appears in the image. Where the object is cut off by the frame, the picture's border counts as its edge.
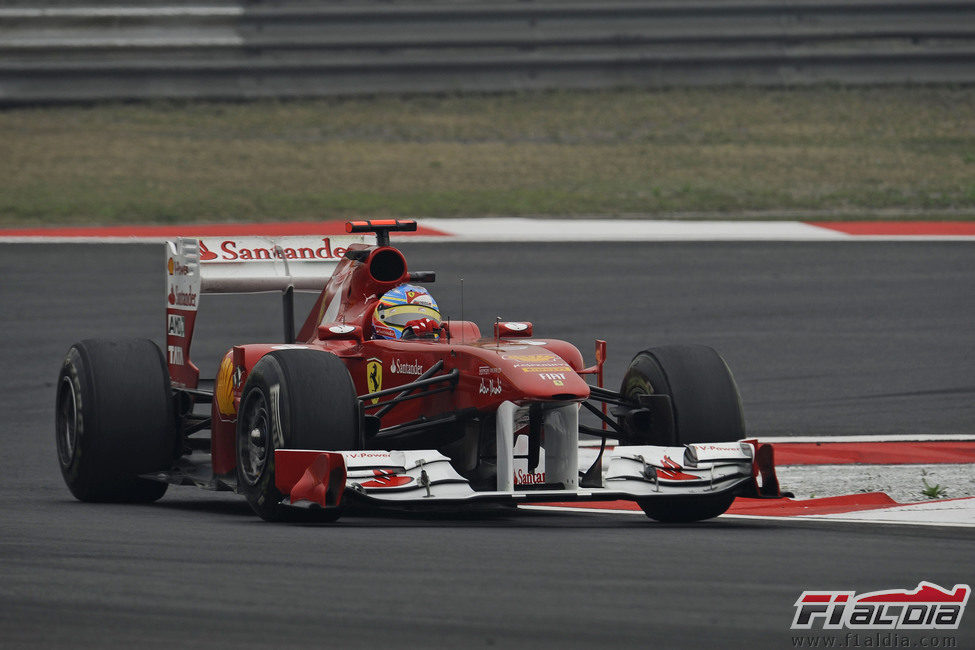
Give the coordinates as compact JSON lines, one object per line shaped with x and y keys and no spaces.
{"x":427,"y":478}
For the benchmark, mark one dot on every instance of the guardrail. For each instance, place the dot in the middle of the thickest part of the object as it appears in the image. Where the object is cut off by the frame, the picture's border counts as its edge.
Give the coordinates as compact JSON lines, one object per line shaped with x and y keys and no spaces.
{"x":62,"y":52}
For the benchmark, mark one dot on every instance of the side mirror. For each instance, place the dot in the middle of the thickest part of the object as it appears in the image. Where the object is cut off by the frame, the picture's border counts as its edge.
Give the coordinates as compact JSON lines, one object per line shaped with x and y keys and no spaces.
{"x":511,"y":329}
{"x":339,"y":331}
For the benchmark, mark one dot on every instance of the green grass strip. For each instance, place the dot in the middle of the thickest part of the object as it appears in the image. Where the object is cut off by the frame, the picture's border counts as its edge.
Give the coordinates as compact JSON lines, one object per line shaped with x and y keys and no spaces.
{"x":843,"y":152}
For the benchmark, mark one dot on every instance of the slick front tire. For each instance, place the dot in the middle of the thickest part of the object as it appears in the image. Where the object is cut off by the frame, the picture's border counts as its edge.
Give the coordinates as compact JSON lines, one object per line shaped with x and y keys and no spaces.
{"x":686,"y":509}
{"x":706,"y":406}
{"x":114,"y":420}
{"x":293,"y":399}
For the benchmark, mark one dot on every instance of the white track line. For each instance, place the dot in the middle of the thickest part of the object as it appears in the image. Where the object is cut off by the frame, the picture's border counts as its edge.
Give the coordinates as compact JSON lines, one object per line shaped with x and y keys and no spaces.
{"x":855,"y":520}
{"x":82,"y":240}
{"x":908,"y":437}
{"x":895,"y":437}
{"x":521,"y":229}
{"x":556,"y":230}
{"x":525,"y":229}
{"x":954,"y":513}
{"x":120,"y":12}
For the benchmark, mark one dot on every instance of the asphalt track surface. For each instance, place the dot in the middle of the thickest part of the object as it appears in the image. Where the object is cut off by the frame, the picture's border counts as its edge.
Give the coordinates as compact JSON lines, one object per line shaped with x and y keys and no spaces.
{"x":823,"y":339}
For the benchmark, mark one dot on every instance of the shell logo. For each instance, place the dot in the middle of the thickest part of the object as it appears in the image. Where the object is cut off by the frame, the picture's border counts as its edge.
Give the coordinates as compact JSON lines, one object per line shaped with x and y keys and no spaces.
{"x":224,"y":391}
{"x":530,"y":357}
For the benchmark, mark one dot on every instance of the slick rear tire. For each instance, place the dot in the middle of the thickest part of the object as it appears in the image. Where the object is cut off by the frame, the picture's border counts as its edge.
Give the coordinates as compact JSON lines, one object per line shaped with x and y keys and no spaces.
{"x":703,"y":395}
{"x":115,"y":420}
{"x":686,"y":509}
{"x":293,"y":399}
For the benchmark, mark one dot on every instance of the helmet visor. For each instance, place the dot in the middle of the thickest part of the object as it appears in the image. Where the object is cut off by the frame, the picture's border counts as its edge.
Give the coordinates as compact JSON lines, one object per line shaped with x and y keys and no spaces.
{"x":400,"y":315}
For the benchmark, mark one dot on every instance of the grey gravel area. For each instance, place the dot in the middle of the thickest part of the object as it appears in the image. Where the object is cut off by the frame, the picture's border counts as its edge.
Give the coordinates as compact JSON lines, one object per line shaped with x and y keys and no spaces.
{"x":903,"y":483}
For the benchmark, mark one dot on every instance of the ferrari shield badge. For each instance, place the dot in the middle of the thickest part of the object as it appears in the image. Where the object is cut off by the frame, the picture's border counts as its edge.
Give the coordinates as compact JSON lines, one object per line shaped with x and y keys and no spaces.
{"x":374,"y":376}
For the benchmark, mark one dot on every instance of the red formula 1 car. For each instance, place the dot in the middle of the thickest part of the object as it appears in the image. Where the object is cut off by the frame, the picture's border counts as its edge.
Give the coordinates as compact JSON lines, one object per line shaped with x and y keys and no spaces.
{"x":335,"y":416}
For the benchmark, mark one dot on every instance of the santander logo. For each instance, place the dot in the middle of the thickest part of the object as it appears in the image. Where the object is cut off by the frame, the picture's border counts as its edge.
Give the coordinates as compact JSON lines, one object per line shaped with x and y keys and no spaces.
{"x":181,"y":299}
{"x":256,"y":249}
{"x":206,"y":255}
{"x":398,"y":367}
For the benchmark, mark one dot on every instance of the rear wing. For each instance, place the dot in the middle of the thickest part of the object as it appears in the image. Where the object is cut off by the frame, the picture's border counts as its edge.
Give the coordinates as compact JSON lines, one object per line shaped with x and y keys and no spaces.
{"x":195,"y":266}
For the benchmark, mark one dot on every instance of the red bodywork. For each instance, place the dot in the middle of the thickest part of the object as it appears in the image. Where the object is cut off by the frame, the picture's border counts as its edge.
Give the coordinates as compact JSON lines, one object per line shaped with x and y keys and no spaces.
{"x":507,"y":367}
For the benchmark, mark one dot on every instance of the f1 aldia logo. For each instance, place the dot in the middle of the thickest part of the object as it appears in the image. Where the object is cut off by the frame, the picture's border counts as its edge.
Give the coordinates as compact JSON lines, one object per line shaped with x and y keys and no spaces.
{"x":929,"y":607}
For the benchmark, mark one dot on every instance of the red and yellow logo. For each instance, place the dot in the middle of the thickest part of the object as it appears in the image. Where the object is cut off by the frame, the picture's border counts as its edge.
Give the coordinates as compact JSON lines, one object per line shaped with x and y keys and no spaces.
{"x":374,"y":377}
{"x":225,"y":387}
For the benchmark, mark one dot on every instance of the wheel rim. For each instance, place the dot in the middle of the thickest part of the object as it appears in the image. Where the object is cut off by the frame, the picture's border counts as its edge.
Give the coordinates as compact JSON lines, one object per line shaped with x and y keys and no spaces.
{"x":637,"y":385}
{"x":255,"y":444}
{"x":67,"y":422}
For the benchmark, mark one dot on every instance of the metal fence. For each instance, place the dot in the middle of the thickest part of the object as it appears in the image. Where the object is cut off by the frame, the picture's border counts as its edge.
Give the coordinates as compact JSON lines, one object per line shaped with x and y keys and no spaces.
{"x":52,"y":52}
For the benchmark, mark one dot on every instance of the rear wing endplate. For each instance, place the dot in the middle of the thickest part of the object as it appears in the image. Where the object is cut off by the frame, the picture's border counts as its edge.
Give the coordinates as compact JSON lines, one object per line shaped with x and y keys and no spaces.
{"x":195,"y":266}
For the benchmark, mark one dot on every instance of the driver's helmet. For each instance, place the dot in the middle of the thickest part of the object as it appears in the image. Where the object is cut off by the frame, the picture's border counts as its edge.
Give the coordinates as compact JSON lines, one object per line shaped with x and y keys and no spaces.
{"x":405,"y":304}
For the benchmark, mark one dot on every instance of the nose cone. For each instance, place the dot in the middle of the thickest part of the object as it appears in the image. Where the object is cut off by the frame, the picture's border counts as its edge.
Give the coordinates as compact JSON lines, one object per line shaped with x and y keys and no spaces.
{"x":542,"y":375}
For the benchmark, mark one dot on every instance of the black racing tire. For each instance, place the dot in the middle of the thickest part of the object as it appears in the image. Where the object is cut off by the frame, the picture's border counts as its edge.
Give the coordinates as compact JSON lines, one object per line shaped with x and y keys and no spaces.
{"x":686,"y":509}
{"x":293,"y":399}
{"x":703,"y":395}
{"x":115,"y":420}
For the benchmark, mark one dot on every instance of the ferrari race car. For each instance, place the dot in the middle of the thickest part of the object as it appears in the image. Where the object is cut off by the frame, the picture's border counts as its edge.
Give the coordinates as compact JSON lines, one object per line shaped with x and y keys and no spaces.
{"x":358,"y":410}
